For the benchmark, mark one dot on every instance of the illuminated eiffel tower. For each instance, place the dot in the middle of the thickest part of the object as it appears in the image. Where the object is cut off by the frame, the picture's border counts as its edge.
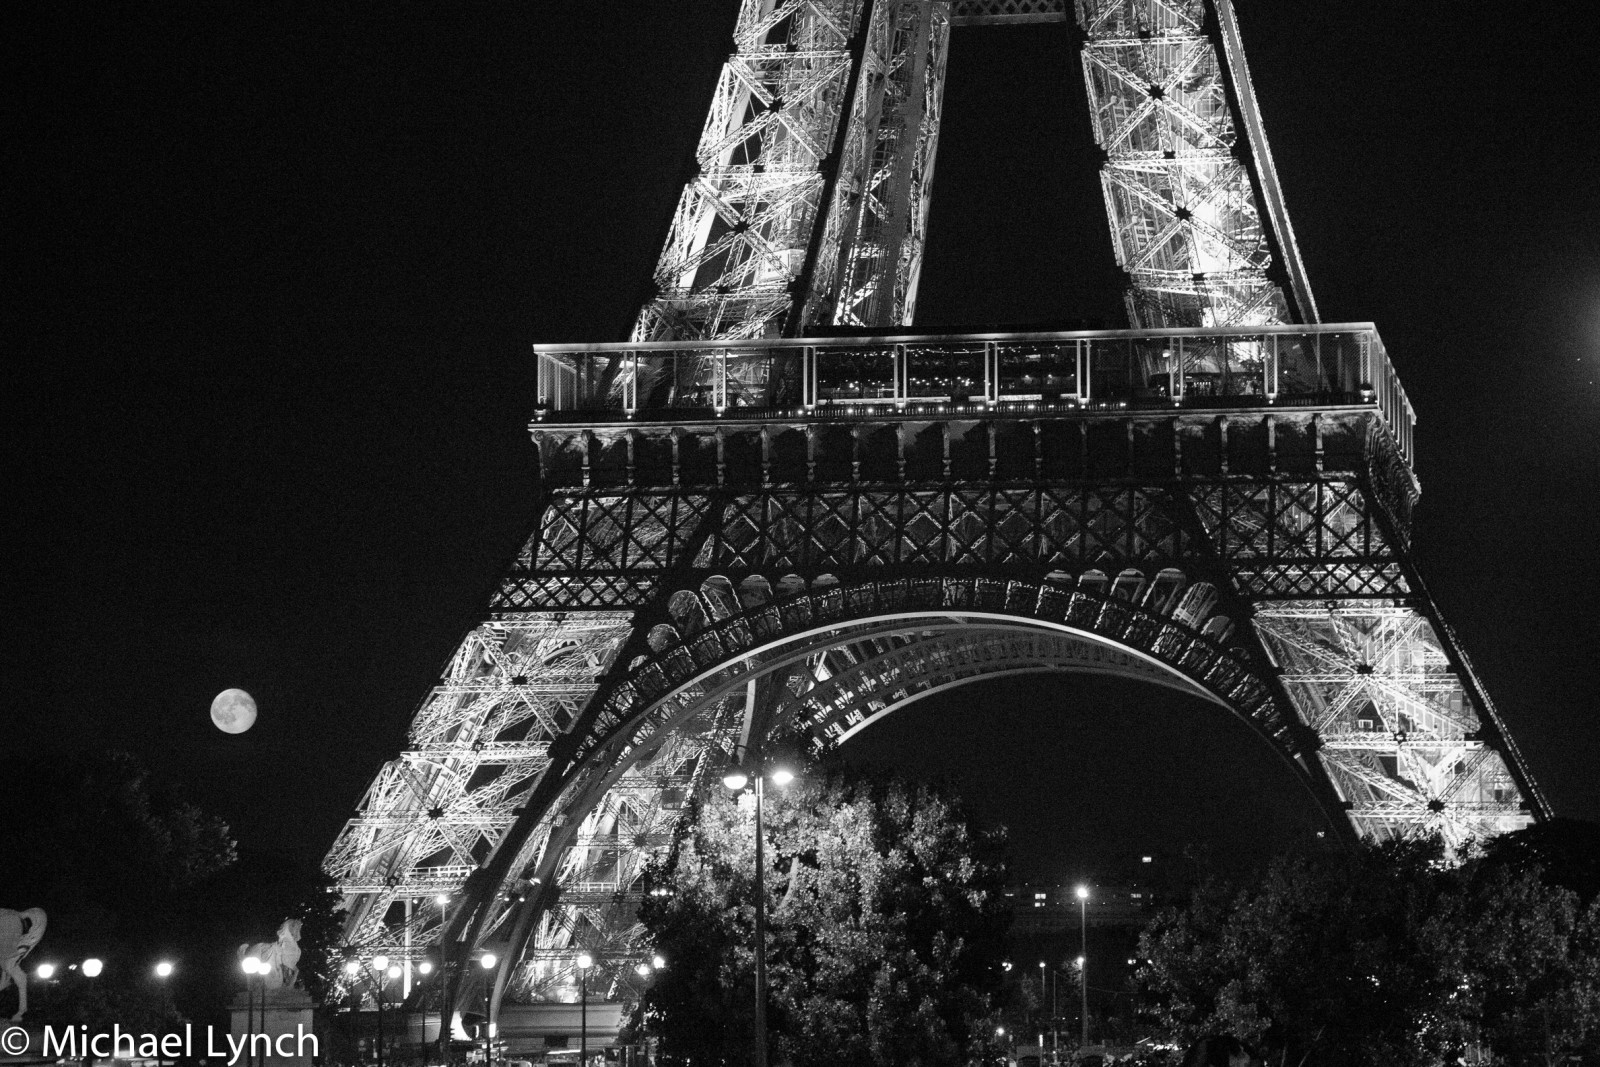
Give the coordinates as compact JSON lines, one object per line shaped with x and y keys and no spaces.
{"x":778,"y":511}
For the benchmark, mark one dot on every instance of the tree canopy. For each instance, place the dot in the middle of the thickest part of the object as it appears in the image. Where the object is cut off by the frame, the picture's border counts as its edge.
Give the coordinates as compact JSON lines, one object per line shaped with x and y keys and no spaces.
{"x":885,"y":929}
{"x":1391,"y":955}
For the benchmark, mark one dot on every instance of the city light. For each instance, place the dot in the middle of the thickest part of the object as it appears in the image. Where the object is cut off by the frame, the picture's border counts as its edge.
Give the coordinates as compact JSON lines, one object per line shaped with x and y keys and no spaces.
{"x":380,"y":963}
{"x":643,"y":970}
{"x":442,"y":899}
{"x":45,"y":970}
{"x":488,"y":960}
{"x":736,"y":779}
{"x":658,"y":962}
{"x":250,"y":965}
{"x":425,"y":967}
{"x":1083,"y":892}
{"x":782,"y":776}
{"x":393,"y":972}
{"x":92,"y":967}
{"x":352,"y":966}
{"x":164,"y":969}
{"x":585,"y":961}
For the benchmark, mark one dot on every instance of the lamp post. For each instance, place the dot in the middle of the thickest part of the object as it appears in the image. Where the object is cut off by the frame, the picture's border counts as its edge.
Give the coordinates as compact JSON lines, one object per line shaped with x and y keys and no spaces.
{"x":1083,"y":960}
{"x":736,"y":780}
{"x":487,"y":962}
{"x":585,"y":961}
{"x":163,"y":971}
{"x":251,"y":966}
{"x":352,"y":967}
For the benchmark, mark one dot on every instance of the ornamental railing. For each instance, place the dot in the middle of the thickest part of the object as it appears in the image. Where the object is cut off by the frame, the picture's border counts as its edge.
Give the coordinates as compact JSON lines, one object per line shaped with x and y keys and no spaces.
{"x":1095,"y":370}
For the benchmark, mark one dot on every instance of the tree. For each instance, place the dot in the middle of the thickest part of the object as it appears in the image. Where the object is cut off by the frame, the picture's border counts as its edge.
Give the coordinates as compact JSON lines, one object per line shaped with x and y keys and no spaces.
{"x":1391,"y":955}
{"x":1351,"y":960}
{"x":885,"y":928}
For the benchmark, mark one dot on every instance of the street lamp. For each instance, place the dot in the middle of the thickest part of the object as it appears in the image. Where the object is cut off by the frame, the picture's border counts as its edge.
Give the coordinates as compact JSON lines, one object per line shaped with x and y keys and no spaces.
{"x":1083,"y":960}
{"x":585,"y":961}
{"x":92,"y":967}
{"x":487,"y":962}
{"x":252,"y":966}
{"x":164,"y":969}
{"x":45,"y":971}
{"x":736,"y":779}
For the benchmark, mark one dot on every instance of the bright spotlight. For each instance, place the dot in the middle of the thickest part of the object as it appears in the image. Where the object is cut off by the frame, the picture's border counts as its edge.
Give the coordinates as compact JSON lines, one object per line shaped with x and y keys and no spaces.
{"x":45,"y":970}
{"x":782,"y":776}
{"x":736,"y":780}
{"x":488,"y":960}
{"x":92,"y":967}
{"x":164,"y":969}
{"x":658,"y":962}
{"x":585,"y":961}
{"x":393,"y":971}
{"x":1083,"y":892}
{"x":250,"y":965}
{"x":643,"y":970}
{"x":442,"y":899}
{"x":352,"y":966}
{"x":380,"y":963}
{"x":425,"y":967}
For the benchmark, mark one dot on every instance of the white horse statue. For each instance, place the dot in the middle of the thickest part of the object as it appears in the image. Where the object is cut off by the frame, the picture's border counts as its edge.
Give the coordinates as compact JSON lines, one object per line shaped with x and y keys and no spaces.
{"x":20,"y":931}
{"x":281,"y":958}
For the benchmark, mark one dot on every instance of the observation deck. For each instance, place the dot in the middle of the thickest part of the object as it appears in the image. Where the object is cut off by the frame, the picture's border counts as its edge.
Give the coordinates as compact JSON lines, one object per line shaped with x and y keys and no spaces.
{"x":975,"y":375}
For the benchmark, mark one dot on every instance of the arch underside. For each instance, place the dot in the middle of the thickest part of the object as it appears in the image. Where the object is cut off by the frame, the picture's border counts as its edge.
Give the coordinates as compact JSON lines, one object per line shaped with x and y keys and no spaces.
{"x":821,"y":660}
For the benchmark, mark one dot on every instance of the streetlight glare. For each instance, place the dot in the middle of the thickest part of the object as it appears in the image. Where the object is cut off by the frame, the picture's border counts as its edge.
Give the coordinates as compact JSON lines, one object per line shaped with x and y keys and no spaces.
{"x":736,"y":780}
{"x":442,"y":899}
{"x":643,"y":970}
{"x":585,"y":961}
{"x":658,"y":962}
{"x":250,"y":965}
{"x":380,"y":963}
{"x":425,"y":967}
{"x":782,"y":776}
{"x":351,"y":966}
{"x":393,"y":972}
{"x":45,"y":970}
{"x":164,"y":969}
{"x":1083,"y":892}
{"x":92,"y":967}
{"x":1079,"y":961}
{"x":488,"y":960}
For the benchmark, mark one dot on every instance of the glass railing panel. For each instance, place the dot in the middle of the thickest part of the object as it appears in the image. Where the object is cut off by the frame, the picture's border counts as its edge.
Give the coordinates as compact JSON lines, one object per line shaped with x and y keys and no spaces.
{"x":1299,"y":366}
{"x":951,"y":372}
{"x":683,"y":378}
{"x":763,"y":378}
{"x":1112,"y":371}
{"x":1043,"y":370}
{"x":855,"y":375}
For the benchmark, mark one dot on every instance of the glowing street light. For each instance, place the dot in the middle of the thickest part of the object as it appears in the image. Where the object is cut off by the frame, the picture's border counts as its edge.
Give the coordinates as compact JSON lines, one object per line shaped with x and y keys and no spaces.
{"x":45,"y":970}
{"x":164,"y":969}
{"x":92,"y":967}
{"x":585,"y":961}
{"x":425,"y":967}
{"x":1083,"y":961}
{"x":736,"y":779}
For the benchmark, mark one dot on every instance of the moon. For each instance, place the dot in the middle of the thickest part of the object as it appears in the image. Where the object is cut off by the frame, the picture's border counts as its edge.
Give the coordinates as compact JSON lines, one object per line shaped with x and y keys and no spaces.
{"x":234,"y":711}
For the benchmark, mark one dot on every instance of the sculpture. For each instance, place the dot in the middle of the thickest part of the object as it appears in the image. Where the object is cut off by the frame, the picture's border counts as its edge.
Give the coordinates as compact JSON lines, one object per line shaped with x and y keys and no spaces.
{"x":20,"y":931}
{"x":280,"y":958}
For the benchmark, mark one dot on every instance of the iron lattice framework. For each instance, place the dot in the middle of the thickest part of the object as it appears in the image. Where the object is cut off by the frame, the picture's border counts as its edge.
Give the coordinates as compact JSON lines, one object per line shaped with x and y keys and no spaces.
{"x":747,"y":532}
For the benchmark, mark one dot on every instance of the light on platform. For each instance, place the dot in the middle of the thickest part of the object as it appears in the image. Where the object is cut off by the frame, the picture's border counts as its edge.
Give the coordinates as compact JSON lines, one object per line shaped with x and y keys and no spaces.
{"x":488,"y":960}
{"x":250,"y":965}
{"x":643,"y":970}
{"x":658,"y":962}
{"x":782,"y":776}
{"x":442,"y":899}
{"x":164,"y":969}
{"x":46,"y":970}
{"x":1083,"y":892}
{"x":352,"y":966}
{"x":585,"y":961}
{"x":736,"y":779}
{"x":92,"y":967}
{"x":425,"y":967}
{"x":393,"y":971}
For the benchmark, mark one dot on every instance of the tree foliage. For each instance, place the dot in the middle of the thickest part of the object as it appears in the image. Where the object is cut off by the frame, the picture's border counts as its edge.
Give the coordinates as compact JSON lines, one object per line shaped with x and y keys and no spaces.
{"x":885,"y":928}
{"x":1390,"y":955}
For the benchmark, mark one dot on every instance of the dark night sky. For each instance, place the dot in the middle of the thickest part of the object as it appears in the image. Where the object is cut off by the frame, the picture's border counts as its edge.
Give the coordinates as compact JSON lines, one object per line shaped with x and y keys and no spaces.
{"x":276,"y":271}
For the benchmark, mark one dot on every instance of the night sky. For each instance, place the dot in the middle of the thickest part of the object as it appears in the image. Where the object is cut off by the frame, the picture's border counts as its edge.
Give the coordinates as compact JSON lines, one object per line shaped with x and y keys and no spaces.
{"x":275,"y":273}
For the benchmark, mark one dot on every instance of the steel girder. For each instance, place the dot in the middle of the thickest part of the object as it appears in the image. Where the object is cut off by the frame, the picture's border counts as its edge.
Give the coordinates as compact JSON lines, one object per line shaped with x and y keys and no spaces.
{"x":1189,"y":203}
{"x":811,"y":197}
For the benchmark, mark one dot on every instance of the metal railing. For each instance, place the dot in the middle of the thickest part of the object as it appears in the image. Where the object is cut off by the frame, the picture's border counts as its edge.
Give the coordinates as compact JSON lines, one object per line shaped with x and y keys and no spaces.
{"x":1247,"y":366}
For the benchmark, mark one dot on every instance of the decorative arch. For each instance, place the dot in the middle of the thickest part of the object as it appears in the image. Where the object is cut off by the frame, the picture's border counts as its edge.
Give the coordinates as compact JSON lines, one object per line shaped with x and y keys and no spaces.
{"x":825,"y":657}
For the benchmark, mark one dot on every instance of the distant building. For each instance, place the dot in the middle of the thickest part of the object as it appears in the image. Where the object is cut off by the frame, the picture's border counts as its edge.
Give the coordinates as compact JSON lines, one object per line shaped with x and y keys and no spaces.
{"x":1052,"y":907}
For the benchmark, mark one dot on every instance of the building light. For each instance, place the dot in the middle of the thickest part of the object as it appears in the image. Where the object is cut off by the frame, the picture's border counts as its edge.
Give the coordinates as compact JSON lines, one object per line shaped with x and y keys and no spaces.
{"x":1145,"y":859}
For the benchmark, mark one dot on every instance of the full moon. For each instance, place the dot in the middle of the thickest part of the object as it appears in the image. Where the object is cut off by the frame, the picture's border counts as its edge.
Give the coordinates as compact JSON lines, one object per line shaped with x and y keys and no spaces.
{"x":234,"y":711}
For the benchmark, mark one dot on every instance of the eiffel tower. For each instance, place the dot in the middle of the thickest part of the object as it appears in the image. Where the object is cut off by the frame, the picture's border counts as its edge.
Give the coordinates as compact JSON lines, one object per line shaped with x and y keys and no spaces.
{"x":777,"y":511}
